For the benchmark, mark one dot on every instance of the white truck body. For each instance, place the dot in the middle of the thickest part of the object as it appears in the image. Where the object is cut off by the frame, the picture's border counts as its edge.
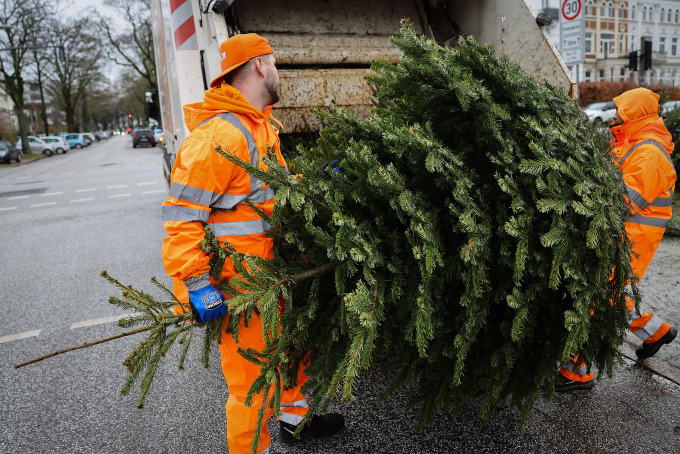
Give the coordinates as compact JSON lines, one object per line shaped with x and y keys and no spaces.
{"x":324,"y":48}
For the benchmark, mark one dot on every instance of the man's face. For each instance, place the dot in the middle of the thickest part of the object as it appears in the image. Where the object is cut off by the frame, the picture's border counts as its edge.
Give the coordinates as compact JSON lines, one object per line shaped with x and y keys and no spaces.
{"x":271,"y":79}
{"x":617,"y":119}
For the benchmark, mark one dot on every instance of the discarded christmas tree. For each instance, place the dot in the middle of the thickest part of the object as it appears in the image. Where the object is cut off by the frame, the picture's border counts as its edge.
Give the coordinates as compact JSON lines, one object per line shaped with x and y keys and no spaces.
{"x":470,"y":234}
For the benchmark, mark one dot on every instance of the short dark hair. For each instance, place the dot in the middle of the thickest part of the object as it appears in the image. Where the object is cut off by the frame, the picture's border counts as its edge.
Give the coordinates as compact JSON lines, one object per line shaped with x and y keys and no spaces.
{"x":236,"y":73}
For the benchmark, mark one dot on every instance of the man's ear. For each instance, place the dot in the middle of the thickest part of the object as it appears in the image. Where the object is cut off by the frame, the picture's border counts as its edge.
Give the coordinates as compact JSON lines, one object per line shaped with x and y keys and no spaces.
{"x":259,"y":66}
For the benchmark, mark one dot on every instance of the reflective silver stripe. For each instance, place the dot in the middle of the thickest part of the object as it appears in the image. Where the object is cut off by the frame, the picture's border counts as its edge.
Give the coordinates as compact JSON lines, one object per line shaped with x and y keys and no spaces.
{"x":646,"y":142}
{"x":266,"y":451}
{"x":177,"y":213}
{"x":637,"y":198}
{"x":302,"y":403}
{"x":240,"y":227}
{"x":648,"y":220}
{"x":663,"y":202}
{"x":290,"y":419}
{"x":571,"y":367}
{"x":190,"y":194}
{"x":652,"y":326}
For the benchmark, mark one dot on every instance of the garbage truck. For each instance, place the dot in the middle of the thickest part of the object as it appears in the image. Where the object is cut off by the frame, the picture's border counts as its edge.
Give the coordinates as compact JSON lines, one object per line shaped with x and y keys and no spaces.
{"x":324,"y":48}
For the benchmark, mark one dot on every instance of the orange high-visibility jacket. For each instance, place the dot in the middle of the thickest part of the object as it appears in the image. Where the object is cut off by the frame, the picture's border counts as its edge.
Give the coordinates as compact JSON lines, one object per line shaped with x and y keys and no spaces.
{"x":642,"y":148}
{"x":202,"y":180}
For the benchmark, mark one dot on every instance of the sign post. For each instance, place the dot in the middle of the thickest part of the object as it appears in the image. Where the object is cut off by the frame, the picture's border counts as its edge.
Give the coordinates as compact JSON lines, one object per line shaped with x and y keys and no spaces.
{"x":572,"y":34}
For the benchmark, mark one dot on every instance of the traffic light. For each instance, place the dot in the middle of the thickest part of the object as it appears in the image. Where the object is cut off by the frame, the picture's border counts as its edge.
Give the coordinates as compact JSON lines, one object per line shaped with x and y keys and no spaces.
{"x":646,"y":53}
{"x":129,"y":115}
{"x":633,"y":60}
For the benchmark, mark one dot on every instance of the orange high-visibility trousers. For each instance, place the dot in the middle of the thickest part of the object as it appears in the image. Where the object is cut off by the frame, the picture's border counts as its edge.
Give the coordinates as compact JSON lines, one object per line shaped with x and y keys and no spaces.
{"x":240,"y":375}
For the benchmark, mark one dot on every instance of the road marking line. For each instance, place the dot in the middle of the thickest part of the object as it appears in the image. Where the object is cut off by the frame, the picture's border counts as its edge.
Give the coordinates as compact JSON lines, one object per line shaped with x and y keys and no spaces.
{"x":117,"y":186}
{"x":118,"y":195}
{"x":97,"y":321}
{"x":158,"y":191}
{"x":43,"y":204}
{"x":17,"y":197}
{"x":8,"y":208}
{"x":147,"y":183}
{"x":23,"y":335}
{"x":87,"y":199}
{"x":86,"y":190}
{"x":47,"y":194}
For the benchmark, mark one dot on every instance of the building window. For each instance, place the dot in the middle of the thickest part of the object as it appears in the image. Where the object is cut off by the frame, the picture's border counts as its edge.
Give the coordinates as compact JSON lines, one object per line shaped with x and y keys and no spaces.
{"x":622,"y":77}
{"x":601,"y":75}
{"x":662,"y":74}
{"x":622,"y":44}
{"x":622,"y":11}
{"x":670,"y":14}
{"x":674,"y":46}
{"x":632,"y":12}
{"x":674,"y":78}
{"x":590,"y":8}
{"x":662,"y":44}
{"x":644,"y":13}
{"x":662,"y":15}
{"x":603,"y":9}
{"x":677,"y":15}
{"x":589,"y":43}
{"x":607,"y":44}
{"x":632,"y":43}
{"x":588,"y":75}
{"x":611,"y":74}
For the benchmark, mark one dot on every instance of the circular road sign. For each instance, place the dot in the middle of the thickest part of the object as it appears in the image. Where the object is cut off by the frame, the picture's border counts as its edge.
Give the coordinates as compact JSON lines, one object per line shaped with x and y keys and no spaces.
{"x":571,"y":9}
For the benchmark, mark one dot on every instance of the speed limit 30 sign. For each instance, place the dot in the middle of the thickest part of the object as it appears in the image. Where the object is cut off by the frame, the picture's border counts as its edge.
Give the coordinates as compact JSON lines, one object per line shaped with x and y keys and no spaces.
{"x":571,"y":9}
{"x":572,"y":39}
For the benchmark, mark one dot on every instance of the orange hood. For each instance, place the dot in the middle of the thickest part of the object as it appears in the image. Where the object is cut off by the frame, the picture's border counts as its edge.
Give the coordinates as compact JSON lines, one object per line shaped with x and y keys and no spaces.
{"x":638,"y":108}
{"x":223,"y":98}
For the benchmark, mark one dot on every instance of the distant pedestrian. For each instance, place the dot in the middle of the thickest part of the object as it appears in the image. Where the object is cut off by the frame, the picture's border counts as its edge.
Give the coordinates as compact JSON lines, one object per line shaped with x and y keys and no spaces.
{"x":642,"y":148}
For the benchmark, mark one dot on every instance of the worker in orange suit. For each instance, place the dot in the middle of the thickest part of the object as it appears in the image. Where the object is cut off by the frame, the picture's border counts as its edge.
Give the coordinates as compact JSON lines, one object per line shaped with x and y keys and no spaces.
{"x":642,"y":148}
{"x":206,"y":188}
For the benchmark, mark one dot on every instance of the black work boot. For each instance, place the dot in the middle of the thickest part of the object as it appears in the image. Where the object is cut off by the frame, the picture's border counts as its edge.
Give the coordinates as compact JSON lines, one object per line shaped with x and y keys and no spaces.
{"x":563,"y":384}
{"x":319,"y":426}
{"x":648,"y":350}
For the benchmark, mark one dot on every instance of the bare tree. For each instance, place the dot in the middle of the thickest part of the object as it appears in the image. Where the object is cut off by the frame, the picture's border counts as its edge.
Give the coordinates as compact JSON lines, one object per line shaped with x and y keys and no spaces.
{"x":133,"y":46}
{"x":78,"y":72}
{"x":20,"y":19}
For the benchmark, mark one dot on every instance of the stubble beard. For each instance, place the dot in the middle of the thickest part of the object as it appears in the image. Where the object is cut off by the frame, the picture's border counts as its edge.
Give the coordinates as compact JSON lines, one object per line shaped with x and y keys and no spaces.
{"x":272,"y":87}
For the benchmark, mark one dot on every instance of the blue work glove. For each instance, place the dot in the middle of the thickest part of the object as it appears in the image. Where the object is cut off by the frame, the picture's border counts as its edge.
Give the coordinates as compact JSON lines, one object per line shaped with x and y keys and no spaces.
{"x":207,"y":303}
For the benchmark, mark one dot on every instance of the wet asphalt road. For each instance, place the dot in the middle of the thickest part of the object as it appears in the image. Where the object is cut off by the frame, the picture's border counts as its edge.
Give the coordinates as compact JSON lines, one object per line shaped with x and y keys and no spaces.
{"x":65,"y":218}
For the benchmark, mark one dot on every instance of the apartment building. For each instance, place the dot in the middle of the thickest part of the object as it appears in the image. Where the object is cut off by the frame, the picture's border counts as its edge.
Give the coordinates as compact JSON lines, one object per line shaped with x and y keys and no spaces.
{"x":615,"y":28}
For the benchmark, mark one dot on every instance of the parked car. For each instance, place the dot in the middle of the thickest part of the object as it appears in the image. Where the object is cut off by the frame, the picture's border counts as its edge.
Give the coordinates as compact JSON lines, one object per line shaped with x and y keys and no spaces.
{"x":37,"y":145}
{"x":601,"y":111}
{"x":75,"y":140}
{"x":143,"y":137}
{"x":668,"y":106}
{"x":59,"y":144}
{"x":88,"y":137}
{"x":8,"y":152}
{"x":158,"y":136}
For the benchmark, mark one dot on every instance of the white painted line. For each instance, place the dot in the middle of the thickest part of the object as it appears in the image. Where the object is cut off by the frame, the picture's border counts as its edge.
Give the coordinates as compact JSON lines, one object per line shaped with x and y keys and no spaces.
{"x":118,"y":195}
{"x":86,"y":199}
{"x":147,"y":183}
{"x":118,"y":186}
{"x":158,"y":191}
{"x":86,"y":190}
{"x":17,"y":197}
{"x":97,"y":321}
{"x":23,"y":335}
{"x":43,"y":204}
{"x":8,"y":208}
{"x":48,"y":194}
